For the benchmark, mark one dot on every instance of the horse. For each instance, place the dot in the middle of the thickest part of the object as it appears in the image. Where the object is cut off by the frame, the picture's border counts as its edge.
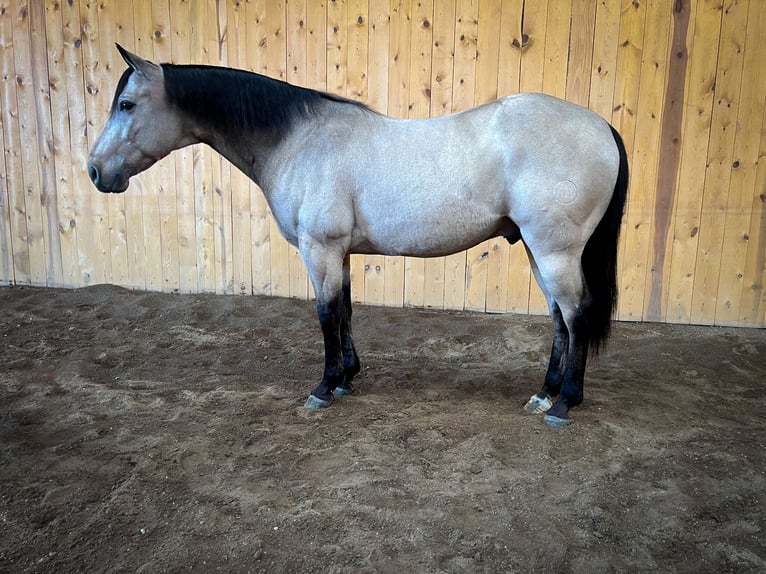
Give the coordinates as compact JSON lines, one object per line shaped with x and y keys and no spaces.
{"x":342,"y":179}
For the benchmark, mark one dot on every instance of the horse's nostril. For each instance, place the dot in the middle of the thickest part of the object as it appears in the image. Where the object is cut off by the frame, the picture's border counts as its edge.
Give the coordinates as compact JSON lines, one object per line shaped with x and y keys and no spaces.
{"x":93,"y":172}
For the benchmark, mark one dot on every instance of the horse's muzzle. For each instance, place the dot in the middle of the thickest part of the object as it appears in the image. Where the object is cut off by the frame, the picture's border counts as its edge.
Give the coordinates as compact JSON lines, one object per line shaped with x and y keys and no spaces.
{"x":115,"y":184}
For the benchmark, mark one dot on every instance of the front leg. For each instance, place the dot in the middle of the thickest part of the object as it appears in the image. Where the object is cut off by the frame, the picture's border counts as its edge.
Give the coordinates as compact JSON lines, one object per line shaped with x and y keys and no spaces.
{"x":351,"y":365}
{"x":325,"y":265}
{"x":330,"y":319}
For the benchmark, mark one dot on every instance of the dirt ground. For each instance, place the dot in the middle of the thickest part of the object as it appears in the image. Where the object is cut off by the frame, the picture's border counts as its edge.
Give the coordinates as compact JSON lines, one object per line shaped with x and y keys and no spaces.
{"x":145,"y":432}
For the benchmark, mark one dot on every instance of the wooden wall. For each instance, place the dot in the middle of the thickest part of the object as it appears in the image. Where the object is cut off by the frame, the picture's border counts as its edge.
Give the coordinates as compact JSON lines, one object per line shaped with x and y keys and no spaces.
{"x":683,"y":80}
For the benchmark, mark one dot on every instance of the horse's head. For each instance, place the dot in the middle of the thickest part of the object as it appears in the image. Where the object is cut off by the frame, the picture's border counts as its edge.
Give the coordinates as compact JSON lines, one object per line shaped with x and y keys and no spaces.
{"x":141,"y":129}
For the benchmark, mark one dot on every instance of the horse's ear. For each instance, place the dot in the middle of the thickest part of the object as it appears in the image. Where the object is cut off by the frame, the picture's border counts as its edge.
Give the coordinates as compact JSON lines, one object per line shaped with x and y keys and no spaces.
{"x":143,"y":68}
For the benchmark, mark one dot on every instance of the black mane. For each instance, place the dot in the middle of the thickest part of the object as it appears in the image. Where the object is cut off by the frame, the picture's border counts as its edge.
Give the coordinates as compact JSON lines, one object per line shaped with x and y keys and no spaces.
{"x":236,"y":99}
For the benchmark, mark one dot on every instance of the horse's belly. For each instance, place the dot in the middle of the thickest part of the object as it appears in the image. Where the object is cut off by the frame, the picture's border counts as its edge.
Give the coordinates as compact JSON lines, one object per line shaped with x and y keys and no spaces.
{"x":429,"y":234}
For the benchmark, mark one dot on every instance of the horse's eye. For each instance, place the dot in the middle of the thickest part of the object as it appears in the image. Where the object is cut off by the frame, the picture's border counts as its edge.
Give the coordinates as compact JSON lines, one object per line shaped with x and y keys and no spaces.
{"x":126,"y":106}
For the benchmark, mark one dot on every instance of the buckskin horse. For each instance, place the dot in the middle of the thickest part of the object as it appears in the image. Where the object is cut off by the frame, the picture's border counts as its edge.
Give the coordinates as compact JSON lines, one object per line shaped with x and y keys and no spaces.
{"x":342,"y":179}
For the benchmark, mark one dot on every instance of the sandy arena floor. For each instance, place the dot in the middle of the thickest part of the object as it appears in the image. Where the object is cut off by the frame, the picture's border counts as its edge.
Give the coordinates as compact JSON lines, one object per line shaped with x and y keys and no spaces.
{"x":142,"y":432}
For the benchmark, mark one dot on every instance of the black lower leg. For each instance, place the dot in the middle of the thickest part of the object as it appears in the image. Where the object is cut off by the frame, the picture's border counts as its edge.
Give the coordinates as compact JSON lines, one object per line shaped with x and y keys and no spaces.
{"x":330,"y":319}
{"x":574,"y":369}
{"x":555,"y":374}
{"x":351,"y":365}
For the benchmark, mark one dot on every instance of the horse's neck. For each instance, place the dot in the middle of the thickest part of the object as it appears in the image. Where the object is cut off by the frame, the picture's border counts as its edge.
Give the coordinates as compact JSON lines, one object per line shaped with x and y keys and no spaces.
{"x":249,"y":152}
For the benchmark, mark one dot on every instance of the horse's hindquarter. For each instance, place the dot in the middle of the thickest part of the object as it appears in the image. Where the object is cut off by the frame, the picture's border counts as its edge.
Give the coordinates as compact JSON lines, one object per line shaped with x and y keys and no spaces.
{"x":564,"y":162}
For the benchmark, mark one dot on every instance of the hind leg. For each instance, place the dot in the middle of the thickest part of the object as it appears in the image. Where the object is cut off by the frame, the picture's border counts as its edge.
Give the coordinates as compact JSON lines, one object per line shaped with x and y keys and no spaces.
{"x":554,"y":376}
{"x":541,"y":402}
{"x":560,"y":276}
{"x":574,"y":371}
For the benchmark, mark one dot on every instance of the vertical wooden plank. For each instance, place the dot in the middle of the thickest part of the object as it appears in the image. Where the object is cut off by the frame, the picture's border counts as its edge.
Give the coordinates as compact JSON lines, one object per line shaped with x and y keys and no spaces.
{"x":75,"y":36}
{"x":96,"y":95}
{"x":442,"y":57}
{"x":399,"y":46}
{"x":260,"y":214}
{"x":377,"y":99}
{"x":222,"y":168}
{"x":357,"y":33}
{"x":6,"y":245}
{"x":108,"y":67}
{"x":337,"y":45}
{"x":398,"y":101}
{"x":418,"y":106}
{"x":14,"y":175}
{"x":509,"y":65}
{"x":44,"y":139}
{"x":719,"y":161}
{"x":167,"y":186}
{"x":62,"y":235}
{"x":242,"y":239}
{"x":604,"y":68}
{"x":30,"y":156}
{"x":458,"y":280}
{"x":752,"y":307}
{"x":483,"y":284}
{"x":753,"y":303}
{"x":669,"y":154}
{"x":241,"y":231}
{"x":188,"y":267}
{"x":695,"y":136}
{"x":581,"y":46}
{"x":276,"y":57}
{"x":204,"y":205}
{"x":297,"y":73}
{"x":629,"y":54}
{"x":651,"y":111}
{"x":126,"y":212}
{"x":441,"y":86}
{"x":738,"y":222}
{"x":358,"y":49}
{"x":631,"y":47}
{"x":7,"y":275}
{"x":147,"y":245}
{"x":534,"y":32}
{"x":644,"y":161}
{"x":316,"y":45}
{"x":421,"y":38}
{"x":558,"y":42}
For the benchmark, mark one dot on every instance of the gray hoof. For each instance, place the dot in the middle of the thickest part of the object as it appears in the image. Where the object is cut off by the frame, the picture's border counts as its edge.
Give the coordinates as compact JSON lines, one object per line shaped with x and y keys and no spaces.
{"x":537,"y":405}
{"x":342,"y":391}
{"x":315,"y":403}
{"x":554,"y":422}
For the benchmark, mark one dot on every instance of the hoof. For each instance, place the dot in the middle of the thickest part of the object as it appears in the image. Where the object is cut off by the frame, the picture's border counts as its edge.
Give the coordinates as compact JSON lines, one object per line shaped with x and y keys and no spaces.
{"x":315,"y":403}
{"x":554,"y":422}
{"x":343,"y":390}
{"x":538,"y":405}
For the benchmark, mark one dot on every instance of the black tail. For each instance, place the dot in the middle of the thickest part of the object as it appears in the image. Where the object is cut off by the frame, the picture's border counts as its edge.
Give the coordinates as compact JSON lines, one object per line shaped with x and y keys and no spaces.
{"x":599,"y":259}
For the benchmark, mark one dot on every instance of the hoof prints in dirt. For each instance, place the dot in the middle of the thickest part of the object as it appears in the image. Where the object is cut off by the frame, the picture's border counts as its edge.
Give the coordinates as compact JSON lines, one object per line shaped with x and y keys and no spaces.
{"x":149,"y":432}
